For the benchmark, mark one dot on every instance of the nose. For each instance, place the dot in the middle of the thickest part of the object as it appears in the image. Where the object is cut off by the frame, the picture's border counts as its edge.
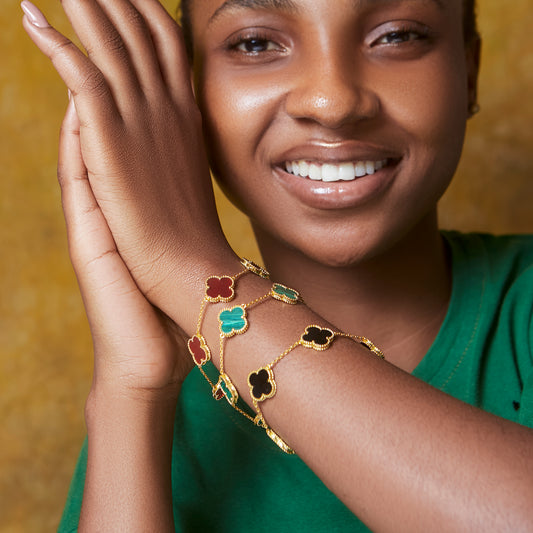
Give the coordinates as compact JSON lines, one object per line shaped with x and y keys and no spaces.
{"x":328,"y":89}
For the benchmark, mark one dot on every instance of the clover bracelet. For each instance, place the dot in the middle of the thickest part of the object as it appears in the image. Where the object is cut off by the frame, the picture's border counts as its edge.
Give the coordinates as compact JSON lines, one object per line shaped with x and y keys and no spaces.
{"x":262,"y":383}
{"x":217,"y":289}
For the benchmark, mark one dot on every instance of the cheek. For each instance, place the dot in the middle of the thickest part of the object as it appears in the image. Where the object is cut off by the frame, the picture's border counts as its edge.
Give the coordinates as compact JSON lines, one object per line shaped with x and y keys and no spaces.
{"x":429,"y":102}
{"x":429,"y":105}
{"x":238,"y":110}
{"x":238,"y":114}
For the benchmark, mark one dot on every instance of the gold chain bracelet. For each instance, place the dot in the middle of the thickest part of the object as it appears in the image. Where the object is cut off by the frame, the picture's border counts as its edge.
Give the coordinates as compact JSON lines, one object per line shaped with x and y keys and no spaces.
{"x":262,"y":383}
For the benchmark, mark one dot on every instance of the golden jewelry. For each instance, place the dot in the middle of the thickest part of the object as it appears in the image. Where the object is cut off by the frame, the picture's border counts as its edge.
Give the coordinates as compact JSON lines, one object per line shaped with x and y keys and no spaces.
{"x":262,"y":383}
{"x":217,"y":289}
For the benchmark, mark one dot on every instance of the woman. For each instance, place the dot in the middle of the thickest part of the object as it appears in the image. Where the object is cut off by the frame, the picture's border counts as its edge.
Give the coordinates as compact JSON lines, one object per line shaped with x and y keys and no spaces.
{"x":336,"y":128}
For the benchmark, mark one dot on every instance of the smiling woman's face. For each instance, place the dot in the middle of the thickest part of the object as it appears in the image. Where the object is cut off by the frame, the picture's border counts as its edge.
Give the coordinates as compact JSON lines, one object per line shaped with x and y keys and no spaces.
{"x":335,"y":126}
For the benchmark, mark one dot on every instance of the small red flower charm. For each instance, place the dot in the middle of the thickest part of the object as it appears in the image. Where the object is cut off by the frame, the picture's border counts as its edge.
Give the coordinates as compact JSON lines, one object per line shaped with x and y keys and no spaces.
{"x":218,"y":393}
{"x":199,"y":350}
{"x":219,"y":289}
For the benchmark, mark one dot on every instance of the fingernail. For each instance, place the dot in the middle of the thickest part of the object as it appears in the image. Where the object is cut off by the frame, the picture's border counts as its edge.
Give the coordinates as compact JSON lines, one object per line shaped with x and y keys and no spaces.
{"x":34,"y":15}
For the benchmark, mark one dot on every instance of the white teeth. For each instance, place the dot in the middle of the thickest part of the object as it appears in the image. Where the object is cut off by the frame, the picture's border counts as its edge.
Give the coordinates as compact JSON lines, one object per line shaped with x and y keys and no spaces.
{"x":346,"y":172}
{"x":295,"y":168}
{"x":315,"y":172}
{"x":328,"y":172}
{"x":304,"y":168}
{"x":360,"y":169}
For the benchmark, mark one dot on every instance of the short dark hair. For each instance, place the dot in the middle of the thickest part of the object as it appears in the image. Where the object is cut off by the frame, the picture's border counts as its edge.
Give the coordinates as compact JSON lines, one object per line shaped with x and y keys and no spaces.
{"x":470,"y":30}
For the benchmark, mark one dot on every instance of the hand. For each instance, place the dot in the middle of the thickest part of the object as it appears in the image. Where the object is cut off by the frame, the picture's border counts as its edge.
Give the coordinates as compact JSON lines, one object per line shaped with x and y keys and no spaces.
{"x":137,"y":348}
{"x":140,"y":136}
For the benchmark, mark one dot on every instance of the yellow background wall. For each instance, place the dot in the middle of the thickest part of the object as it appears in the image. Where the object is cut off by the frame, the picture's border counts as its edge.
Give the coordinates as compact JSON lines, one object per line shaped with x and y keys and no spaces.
{"x":45,"y":348}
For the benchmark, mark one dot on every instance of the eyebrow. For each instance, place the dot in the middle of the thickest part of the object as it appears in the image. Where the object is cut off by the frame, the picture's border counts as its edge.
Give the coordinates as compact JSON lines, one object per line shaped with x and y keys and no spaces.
{"x":363,"y":3}
{"x":292,"y":7}
{"x":228,"y":5}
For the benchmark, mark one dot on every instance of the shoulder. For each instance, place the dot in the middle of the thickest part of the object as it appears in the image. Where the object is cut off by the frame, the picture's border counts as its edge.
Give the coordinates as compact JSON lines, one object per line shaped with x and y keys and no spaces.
{"x":501,"y":270}
{"x":515,"y":251}
{"x":503,"y":262}
{"x":483,"y":354}
{"x":501,"y":267}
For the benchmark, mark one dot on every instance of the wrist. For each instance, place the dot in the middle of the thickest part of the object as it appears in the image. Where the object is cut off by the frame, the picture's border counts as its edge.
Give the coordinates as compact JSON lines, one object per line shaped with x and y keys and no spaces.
{"x":128,"y":478}
{"x":109,"y":407}
{"x":183,"y":289}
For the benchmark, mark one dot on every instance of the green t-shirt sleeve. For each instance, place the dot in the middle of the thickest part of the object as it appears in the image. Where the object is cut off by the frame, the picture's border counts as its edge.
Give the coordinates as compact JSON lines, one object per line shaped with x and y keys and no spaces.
{"x":526,"y":401}
{"x":526,"y":406}
{"x":71,"y":514}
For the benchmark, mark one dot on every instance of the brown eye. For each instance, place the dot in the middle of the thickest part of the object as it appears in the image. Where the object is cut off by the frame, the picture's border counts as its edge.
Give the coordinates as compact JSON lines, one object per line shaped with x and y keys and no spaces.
{"x":399,"y":37}
{"x":256,"y":46}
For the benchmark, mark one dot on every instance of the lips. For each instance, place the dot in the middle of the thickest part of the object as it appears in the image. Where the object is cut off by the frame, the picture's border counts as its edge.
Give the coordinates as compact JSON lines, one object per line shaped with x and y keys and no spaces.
{"x":326,"y":175}
{"x":329,"y":174}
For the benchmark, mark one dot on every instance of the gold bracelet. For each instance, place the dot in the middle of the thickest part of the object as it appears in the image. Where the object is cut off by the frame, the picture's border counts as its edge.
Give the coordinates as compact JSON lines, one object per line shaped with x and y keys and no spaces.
{"x":217,"y":289}
{"x":262,"y":383}
{"x":234,"y":321}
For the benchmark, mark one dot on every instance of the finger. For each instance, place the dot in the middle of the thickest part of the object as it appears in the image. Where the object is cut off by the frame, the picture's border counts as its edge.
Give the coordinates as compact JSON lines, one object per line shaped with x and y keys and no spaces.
{"x":106,"y":284}
{"x":87,"y":231}
{"x":94,"y":100}
{"x":167,"y":38}
{"x":119,"y":43}
{"x":92,"y":248}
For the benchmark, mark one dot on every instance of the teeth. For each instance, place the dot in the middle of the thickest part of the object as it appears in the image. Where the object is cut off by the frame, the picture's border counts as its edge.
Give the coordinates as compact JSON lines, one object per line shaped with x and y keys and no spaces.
{"x":346,"y":172}
{"x":328,"y":172}
{"x":295,"y":168}
{"x":304,"y":168}
{"x":315,"y":172}
{"x":360,"y":169}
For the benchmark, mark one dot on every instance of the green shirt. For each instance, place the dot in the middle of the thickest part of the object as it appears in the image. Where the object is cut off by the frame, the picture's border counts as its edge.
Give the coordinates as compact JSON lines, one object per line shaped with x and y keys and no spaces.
{"x":228,"y":476}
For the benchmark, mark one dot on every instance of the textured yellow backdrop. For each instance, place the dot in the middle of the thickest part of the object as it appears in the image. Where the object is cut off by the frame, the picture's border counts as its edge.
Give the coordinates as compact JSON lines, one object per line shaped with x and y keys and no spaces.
{"x":45,"y":348}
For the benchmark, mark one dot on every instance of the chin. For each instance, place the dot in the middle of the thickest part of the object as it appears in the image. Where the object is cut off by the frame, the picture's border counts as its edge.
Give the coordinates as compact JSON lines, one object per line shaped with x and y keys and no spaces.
{"x":335,"y":257}
{"x":336,"y":253}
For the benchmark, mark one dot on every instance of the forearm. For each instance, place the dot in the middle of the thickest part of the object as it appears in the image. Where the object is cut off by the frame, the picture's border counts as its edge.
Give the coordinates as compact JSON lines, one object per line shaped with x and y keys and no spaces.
{"x":128,"y":480}
{"x":394,"y":449}
{"x":400,"y":454}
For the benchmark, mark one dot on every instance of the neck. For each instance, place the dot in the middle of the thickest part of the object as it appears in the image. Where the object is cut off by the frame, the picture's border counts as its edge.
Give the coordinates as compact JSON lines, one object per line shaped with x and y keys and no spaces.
{"x":398,"y":299}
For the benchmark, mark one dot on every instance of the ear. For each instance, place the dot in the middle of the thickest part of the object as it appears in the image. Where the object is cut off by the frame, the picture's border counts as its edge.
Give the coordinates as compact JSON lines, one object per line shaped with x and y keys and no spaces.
{"x":473,"y":60}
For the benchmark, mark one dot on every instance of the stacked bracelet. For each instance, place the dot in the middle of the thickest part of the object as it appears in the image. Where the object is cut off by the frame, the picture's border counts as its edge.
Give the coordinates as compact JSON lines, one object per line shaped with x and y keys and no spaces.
{"x":234,"y":321}
{"x":217,"y":289}
{"x":262,"y":383}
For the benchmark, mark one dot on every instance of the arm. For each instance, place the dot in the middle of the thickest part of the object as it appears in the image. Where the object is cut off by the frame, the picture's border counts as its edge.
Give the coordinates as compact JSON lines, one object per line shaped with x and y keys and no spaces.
{"x":137,"y":373}
{"x":433,"y":463}
{"x":399,"y":453}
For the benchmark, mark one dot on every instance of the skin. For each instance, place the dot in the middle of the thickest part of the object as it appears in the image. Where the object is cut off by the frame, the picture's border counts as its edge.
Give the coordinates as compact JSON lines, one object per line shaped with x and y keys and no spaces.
{"x":143,"y":236}
{"x":382,"y":99}
{"x":311,"y":100}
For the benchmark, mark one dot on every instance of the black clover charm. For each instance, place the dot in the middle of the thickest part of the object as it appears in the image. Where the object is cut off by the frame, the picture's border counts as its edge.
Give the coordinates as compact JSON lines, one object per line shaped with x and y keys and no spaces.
{"x":317,"y":338}
{"x":262,"y":384}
